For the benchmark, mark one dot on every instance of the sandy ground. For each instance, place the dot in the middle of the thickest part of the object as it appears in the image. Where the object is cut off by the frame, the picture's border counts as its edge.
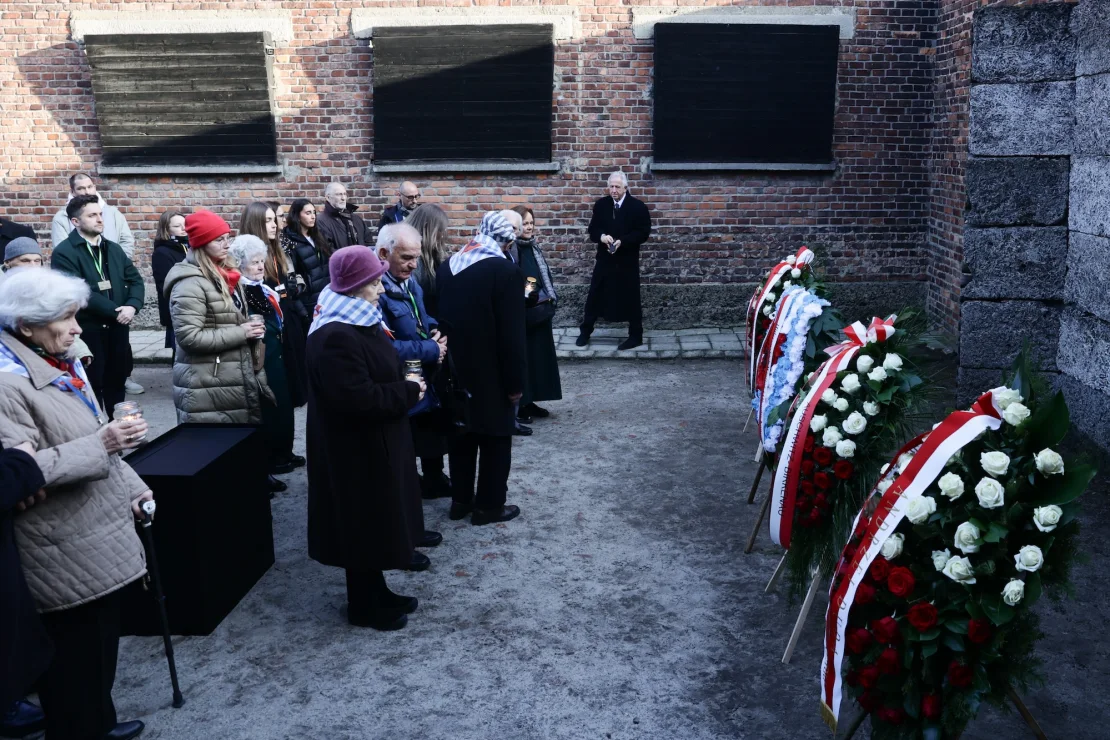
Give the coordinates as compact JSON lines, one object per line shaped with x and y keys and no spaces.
{"x":619,"y":605}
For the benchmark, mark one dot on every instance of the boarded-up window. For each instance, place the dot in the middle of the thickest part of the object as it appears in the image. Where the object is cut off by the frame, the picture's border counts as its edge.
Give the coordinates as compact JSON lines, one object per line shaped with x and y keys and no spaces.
{"x":744,"y":93}
{"x":463,"y":93}
{"x":187,"y":99}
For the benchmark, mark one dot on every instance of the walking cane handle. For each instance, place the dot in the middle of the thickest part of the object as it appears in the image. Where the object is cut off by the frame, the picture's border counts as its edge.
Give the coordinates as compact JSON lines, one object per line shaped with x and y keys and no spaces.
{"x":148,"y":509}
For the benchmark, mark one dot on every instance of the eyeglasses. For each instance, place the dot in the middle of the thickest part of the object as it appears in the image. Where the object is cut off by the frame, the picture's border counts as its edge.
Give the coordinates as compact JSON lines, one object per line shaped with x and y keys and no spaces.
{"x":222,"y":240}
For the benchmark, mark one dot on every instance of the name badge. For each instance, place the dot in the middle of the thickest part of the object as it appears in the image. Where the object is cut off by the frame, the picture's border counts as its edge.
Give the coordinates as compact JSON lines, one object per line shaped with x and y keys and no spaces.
{"x":104,"y":285}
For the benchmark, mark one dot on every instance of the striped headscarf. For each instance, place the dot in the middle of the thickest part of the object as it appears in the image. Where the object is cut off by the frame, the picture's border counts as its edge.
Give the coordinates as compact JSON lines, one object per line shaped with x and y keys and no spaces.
{"x":332,"y":306}
{"x":494,"y":232}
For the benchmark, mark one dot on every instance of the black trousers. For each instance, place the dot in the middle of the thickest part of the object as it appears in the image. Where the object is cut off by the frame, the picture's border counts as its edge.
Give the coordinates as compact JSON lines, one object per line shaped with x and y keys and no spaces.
{"x":76,"y":690}
{"x":366,"y":590}
{"x":111,"y":365}
{"x":492,"y":472}
{"x":593,"y":312}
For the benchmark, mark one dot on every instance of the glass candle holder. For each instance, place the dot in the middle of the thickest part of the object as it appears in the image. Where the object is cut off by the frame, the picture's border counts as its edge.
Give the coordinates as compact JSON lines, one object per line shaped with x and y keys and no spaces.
{"x":413,"y":370}
{"x":529,"y":286}
{"x":257,"y":319}
{"x":128,"y":411}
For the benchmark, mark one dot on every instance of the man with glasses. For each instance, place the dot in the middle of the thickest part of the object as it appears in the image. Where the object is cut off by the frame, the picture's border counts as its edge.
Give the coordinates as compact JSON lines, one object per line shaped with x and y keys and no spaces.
{"x":116,"y":296}
{"x":408,"y":198}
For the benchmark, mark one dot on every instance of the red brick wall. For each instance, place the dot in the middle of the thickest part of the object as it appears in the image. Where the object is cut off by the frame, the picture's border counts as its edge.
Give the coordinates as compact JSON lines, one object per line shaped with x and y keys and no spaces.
{"x":868,"y":219}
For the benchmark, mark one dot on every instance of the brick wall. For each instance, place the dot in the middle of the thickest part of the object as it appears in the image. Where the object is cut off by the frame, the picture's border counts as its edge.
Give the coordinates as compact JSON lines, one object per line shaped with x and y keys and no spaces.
{"x":868,"y":219}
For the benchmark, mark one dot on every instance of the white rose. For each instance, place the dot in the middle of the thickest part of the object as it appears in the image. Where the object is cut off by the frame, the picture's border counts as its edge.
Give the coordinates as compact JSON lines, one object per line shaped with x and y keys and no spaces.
{"x":884,"y":485}
{"x":817,"y":423}
{"x":841,"y":404}
{"x":795,"y":273}
{"x":1015,"y":413}
{"x":1029,"y":559}
{"x":855,"y":423}
{"x":920,"y":508}
{"x":846,"y":448}
{"x":791,"y":259}
{"x":884,"y":468}
{"x":892,"y":548}
{"x":829,"y":396}
{"x":878,"y":375}
{"x":966,"y":535}
{"x":767,"y":310}
{"x":904,"y":461}
{"x":831,"y":436}
{"x":959,"y":570}
{"x":864,"y":364}
{"x":850,"y":384}
{"x":990,"y":493}
{"x":892,"y":362}
{"x":1006,"y":396}
{"x":770,"y":297}
{"x":1049,"y":462}
{"x":1014,"y":592}
{"x":870,"y":408}
{"x":1047,"y":517}
{"x":951,"y":485}
{"x":786,"y":285}
{"x":995,"y":463}
{"x":941,"y":558}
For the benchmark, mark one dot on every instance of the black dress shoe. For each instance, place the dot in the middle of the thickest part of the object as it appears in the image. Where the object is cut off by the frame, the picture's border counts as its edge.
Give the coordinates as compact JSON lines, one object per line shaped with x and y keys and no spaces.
{"x":430,"y":539}
{"x":297,"y":461}
{"x":21,"y":719}
{"x":282,"y":468}
{"x":522,"y":431}
{"x":536,"y":412}
{"x":125,"y":730}
{"x":459,"y":511}
{"x":435,"y":485}
{"x":276,"y":486}
{"x":384,"y":620}
{"x":504,"y":514}
{"x":630,"y":343}
{"x":407,"y":604}
{"x":420,"y":562}
{"x":582,"y":340}
{"x":523,"y":419}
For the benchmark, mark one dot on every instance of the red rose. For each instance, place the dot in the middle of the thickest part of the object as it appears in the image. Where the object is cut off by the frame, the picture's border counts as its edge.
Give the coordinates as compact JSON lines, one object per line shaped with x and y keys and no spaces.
{"x":865,"y":593}
{"x":859,"y":640}
{"x":923,"y":616}
{"x":979,"y":631}
{"x":822,"y":455}
{"x":868,"y":677}
{"x":886,"y":630}
{"x":821,"y":501}
{"x":891,"y":715}
{"x":807,"y":488}
{"x":813,"y":518}
{"x":807,"y":446}
{"x":843,"y":469}
{"x":900,"y":582}
{"x":807,"y":468}
{"x":868,"y":701}
{"x":930,"y":706}
{"x":889,"y":661}
{"x":959,"y":675}
{"x":822,"y":480}
{"x":880,"y":569}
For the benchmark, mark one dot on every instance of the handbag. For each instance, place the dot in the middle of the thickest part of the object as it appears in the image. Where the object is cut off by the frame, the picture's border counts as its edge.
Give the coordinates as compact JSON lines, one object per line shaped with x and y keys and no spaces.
{"x":455,"y":401}
{"x":539,"y":313}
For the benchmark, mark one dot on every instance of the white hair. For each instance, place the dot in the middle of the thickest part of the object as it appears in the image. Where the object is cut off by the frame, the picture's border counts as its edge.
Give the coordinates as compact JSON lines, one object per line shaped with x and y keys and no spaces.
{"x":620,"y":176}
{"x":512,"y":217}
{"x":244,"y":248}
{"x":33,"y":296}
{"x":391,"y":235}
{"x":331,"y":188}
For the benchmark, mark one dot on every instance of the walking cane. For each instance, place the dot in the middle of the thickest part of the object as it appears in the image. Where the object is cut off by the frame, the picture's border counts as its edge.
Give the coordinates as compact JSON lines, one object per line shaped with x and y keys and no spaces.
{"x":156,"y":580}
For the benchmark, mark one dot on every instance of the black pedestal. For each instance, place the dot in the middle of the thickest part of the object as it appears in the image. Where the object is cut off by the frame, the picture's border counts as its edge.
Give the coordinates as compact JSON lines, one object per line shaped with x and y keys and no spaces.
{"x":213,"y":530}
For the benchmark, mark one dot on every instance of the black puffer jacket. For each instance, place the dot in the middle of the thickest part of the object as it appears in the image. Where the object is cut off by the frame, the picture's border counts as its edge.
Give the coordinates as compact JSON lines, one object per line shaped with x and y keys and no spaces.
{"x":310,"y":262}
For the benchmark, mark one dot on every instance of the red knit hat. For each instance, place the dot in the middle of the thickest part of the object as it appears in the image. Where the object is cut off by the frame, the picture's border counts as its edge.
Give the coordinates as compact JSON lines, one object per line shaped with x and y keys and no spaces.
{"x":204,"y":227}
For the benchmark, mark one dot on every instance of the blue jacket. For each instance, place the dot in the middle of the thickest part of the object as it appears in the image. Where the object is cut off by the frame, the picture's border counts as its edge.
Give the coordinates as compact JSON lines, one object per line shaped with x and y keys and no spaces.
{"x":405,"y":321}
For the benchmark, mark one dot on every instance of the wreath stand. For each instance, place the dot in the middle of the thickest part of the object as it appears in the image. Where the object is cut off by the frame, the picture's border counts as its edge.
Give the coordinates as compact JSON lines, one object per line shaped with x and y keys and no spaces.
{"x":1023,"y":710}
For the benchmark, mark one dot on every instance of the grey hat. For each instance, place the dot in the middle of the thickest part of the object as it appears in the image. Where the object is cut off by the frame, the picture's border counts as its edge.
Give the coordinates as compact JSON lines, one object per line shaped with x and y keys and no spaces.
{"x":20,"y":246}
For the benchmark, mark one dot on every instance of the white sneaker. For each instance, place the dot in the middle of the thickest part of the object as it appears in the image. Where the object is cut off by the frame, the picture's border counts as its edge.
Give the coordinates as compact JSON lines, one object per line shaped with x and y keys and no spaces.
{"x":133,"y":388}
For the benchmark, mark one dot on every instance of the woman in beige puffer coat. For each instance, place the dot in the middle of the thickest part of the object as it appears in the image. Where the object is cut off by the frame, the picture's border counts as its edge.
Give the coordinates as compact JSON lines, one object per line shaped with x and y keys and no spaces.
{"x":217,"y":369}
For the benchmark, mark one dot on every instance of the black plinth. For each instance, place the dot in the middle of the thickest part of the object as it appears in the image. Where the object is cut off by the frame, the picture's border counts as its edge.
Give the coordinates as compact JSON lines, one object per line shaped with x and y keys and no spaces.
{"x":213,"y":531}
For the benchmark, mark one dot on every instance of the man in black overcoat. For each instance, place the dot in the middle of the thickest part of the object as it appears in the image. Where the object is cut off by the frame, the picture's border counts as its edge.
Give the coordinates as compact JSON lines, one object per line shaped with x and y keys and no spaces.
{"x":481,"y":303}
{"x":620,"y":224}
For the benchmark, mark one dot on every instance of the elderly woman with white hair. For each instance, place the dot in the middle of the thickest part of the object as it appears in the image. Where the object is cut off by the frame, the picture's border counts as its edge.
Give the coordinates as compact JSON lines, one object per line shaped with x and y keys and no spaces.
{"x":248,"y":254}
{"x":76,"y":542}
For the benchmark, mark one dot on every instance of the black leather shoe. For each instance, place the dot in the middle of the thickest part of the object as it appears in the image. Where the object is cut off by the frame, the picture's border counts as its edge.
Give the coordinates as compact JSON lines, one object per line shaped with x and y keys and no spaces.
{"x":504,"y":514}
{"x":384,"y":620}
{"x":282,"y":468}
{"x":297,"y":461}
{"x":125,"y":730}
{"x":522,"y":431}
{"x":630,"y":343}
{"x":523,"y":419}
{"x":21,"y":719}
{"x":407,"y":604}
{"x":435,"y":485}
{"x":275,"y":486}
{"x":420,"y":562}
{"x":536,"y":412}
{"x":582,"y":340}
{"x":459,"y":511}
{"x":430,"y":539}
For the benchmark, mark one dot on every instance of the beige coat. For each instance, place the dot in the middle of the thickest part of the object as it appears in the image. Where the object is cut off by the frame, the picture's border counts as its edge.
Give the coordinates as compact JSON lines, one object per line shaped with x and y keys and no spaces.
{"x":80,"y":543}
{"x":214,"y":378}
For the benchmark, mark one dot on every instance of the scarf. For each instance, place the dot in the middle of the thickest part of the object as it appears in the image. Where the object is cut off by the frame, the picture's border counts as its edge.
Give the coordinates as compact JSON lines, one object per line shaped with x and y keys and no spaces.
{"x":270,"y":298}
{"x":345,"y":309}
{"x":232,"y":277}
{"x":73,"y":379}
{"x":493,"y":233}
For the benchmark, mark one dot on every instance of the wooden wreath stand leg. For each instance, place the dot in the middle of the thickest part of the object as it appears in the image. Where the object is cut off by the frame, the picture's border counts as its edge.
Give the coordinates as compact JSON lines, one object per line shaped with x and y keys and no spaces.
{"x":748,"y":420}
{"x":759,"y":521}
{"x":758,"y":452}
{"x":800,"y":622}
{"x":776,"y":575}
{"x":1026,"y":714}
{"x":755,"y":483}
{"x":855,"y":725}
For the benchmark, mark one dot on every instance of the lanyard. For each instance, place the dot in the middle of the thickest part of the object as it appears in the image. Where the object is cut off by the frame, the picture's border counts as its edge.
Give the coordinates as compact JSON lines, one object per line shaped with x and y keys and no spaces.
{"x":416,"y":313}
{"x":98,"y":264}
{"x":67,"y":383}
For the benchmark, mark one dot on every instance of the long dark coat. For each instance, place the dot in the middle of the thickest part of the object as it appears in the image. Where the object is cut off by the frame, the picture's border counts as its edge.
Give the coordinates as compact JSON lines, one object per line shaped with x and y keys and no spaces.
{"x":616,"y":278}
{"x":343,"y":228}
{"x":166,"y":254}
{"x":364,"y":506}
{"x":25,"y":649}
{"x":482,"y":314}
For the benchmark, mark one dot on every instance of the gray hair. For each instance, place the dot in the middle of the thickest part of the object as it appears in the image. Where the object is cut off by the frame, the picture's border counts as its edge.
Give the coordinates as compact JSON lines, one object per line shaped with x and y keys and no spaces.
{"x":391,"y":235}
{"x":332,"y":186}
{"x":512,"y":217}
{"x":33,"y":296}
{"x":244,"y":248}
{"x":620,"y":176}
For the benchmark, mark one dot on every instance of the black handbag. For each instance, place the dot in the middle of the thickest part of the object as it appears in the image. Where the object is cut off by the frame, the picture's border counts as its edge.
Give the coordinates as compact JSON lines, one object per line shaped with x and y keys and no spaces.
{"x":455,"y":401}
{"x":539,"y":313}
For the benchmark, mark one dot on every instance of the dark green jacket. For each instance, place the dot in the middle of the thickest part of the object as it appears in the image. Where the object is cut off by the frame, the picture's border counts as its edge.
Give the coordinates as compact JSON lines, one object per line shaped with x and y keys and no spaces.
{"x":72,"y":257}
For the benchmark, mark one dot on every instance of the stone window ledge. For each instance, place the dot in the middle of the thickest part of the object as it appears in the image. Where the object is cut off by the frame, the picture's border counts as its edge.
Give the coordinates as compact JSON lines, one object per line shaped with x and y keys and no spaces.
{"x":181,"y":169}
{"x":743,"y":166}
{"x":563,"y":19}
{"x":279,"y":24}
{"x":644,"y":18}
{"x":466,"y":166}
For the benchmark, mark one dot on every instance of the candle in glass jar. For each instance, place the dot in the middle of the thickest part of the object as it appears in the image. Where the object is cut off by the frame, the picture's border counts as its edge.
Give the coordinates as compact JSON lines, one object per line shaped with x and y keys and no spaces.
{"x":529,"y":285}
{"x":257,"y":319}
{"x":128,"y":411}
{"x":413,"y":370}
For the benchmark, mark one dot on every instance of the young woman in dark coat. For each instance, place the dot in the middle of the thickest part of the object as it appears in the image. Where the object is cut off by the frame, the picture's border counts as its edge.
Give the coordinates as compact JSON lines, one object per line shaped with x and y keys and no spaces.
{"x":170,"y":244}
{"x":364,"y":506}
{"x":543,"y":364}
{"x":308,"y":249}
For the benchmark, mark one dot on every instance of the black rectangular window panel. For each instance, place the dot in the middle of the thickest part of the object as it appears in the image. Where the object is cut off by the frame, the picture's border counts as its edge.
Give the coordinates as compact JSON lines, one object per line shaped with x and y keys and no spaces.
{"x":744,"y":93}
{"x":183,"y":99}
{"x":463,"y":93}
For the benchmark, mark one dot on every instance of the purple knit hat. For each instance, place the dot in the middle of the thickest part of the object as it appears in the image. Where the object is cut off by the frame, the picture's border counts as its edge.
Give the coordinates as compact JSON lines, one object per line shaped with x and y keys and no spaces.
{"x":354,"y":266}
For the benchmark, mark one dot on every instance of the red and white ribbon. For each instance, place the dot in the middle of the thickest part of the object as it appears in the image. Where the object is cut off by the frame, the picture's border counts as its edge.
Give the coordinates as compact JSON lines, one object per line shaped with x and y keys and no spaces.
{"x":960,"y":428}
{"x":802,"y":257}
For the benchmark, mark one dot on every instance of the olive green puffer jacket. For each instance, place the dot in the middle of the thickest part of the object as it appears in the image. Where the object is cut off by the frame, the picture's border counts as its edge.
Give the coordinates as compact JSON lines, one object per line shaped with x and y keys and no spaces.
{"x":213,"y":369}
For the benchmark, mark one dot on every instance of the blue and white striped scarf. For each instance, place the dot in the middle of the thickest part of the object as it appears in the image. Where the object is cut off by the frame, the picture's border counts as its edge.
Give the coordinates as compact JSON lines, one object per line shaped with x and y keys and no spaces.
{"x":9,"y":363}
{"x":493,"y":233}
{"x":345,"y":309}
